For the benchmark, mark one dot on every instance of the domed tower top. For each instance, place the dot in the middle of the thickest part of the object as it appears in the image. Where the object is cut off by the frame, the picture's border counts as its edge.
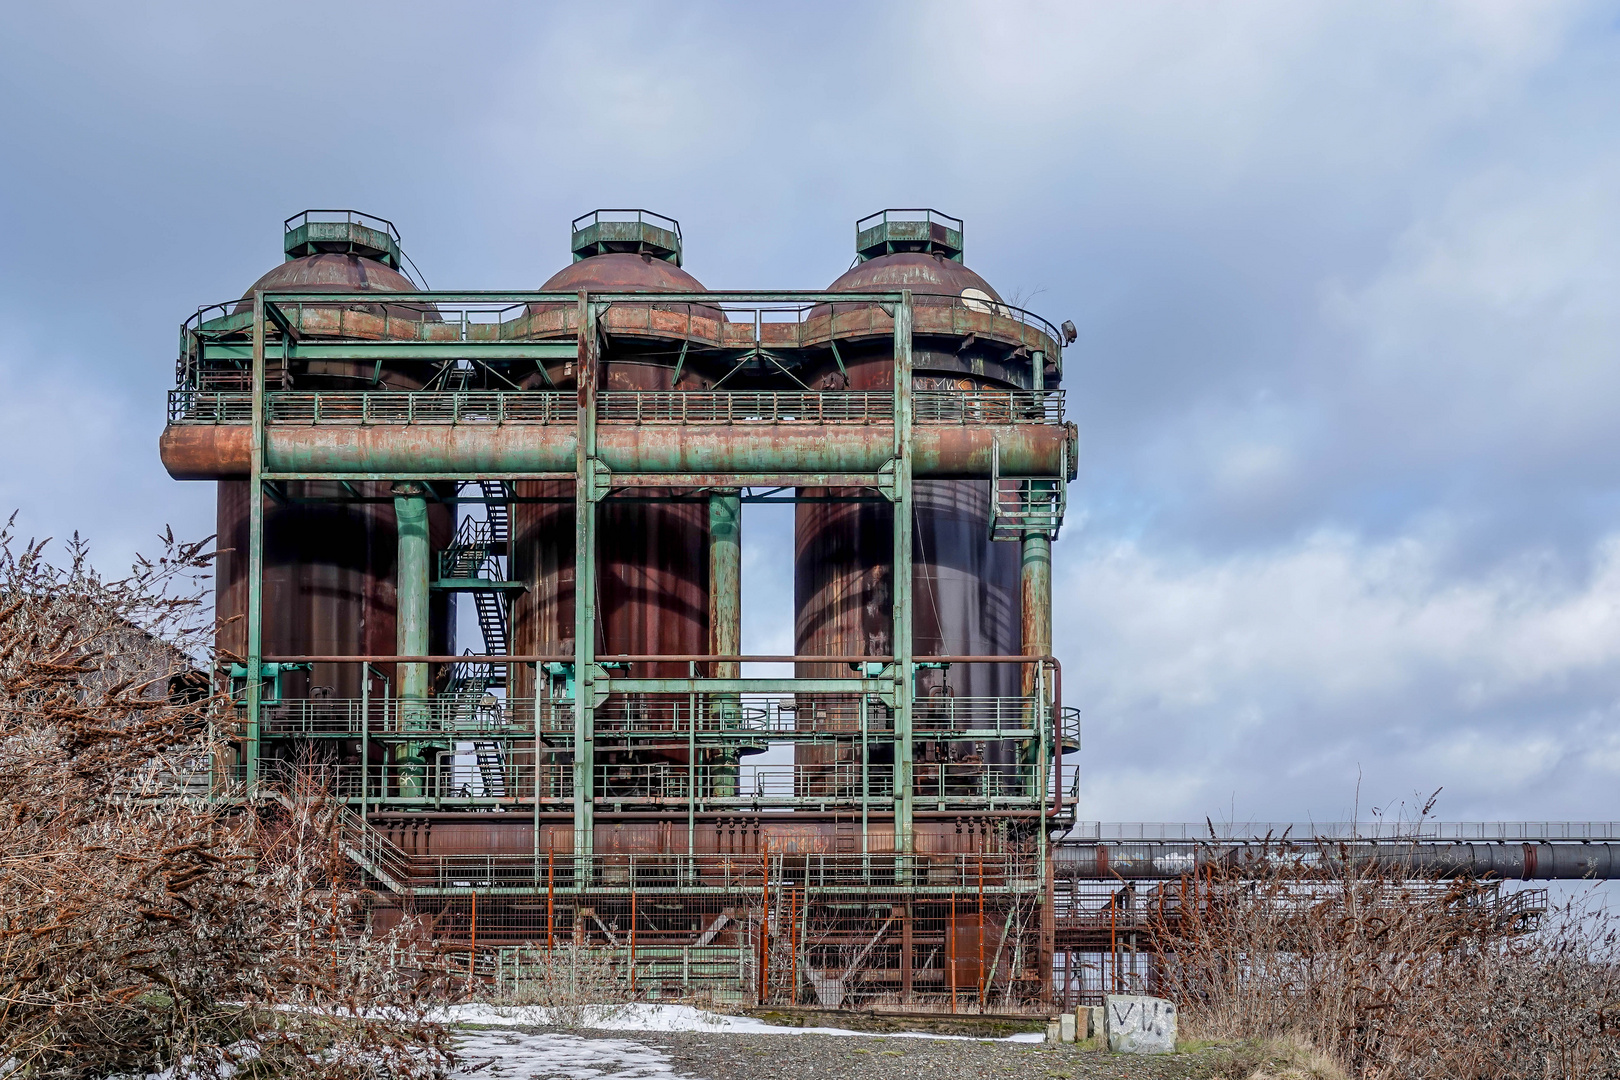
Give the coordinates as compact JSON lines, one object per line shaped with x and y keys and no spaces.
{"x":338,"y":251}
{"x":920,"y":250}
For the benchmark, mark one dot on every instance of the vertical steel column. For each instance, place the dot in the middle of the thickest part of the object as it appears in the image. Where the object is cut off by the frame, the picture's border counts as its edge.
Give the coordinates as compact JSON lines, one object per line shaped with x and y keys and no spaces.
{"x":255,"y":574}
{"x":725,"y":626}
{"x":365,"y":740}
{"x":903,"y":795}
{"x":585,"y":597}
{"x":540,"y":690}
{"x":725,"y":579}
{"x":1035,"y":602}
{"x":411,"y":633}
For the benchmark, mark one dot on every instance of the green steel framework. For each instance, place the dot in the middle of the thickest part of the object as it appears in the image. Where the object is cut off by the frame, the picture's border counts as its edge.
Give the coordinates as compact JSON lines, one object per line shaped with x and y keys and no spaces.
{"x":1033,"y":521}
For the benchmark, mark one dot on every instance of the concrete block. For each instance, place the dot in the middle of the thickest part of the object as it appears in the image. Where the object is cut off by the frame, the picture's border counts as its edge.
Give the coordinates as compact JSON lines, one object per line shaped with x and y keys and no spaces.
{"x":1088,"y":1021}
{"x":1139,"y":1025}
{"x":1054,"y":1031}
{"x":1066,"y":1027}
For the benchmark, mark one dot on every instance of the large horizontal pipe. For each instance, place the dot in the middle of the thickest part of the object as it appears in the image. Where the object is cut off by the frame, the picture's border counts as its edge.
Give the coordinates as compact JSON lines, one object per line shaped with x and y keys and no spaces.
{"x":1531,"y":861}
{"x":210,"y":451}
{"x":808,"y":658}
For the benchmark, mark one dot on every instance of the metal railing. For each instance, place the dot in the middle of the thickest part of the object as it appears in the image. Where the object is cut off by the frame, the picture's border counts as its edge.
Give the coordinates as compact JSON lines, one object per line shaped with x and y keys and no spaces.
{"x":756,"y":717}
{"x":350,"y":408}
{"x":392,"y":716}
{"x":460,"y":776}
{"x":743,"y":874}
{"x":420,"y":407}
{"x":746,"y":407}
{"x":987,"y":406}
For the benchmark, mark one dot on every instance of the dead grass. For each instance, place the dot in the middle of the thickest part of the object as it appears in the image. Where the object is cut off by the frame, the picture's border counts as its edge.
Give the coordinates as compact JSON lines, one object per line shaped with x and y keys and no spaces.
{"x":578,"y":987}
{"x":1270,"y":1059}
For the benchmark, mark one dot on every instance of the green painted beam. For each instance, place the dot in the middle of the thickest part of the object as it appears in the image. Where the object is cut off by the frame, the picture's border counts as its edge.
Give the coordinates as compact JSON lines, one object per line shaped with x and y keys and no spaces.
{"x":476,"y":585}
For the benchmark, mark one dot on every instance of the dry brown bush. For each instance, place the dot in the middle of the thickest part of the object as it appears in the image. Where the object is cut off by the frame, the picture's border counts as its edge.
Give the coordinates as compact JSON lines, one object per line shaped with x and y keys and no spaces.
{"x":1392,"y":973}
{"x":145,"y":927}
{"x":576,"y":986}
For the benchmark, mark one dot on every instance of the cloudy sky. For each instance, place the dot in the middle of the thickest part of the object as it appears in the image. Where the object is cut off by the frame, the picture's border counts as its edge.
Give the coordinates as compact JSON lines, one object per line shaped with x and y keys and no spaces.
{"x":1348,"y":376}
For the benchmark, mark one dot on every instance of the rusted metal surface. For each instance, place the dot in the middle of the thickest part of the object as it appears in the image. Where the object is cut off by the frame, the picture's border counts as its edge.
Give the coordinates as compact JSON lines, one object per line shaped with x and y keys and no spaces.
{"x":742,"y":834}
{"x":329,"y":579}
{"x":652,"y":556}
{"x":202,"y":451}
{"x":965,"y":588}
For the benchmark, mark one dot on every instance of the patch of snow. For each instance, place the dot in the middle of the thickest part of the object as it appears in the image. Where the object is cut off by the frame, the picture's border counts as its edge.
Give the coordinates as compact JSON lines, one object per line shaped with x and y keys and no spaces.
{"x":512,"y":1055}
{"x":647,"y":1016}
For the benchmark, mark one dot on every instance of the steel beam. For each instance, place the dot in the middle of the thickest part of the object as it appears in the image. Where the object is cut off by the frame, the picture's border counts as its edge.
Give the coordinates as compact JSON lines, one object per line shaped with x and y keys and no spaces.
{"x":414,"y":569}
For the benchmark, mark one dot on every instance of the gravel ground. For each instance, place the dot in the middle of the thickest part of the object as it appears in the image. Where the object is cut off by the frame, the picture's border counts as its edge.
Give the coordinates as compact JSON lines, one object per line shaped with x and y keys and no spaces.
{"x":735,"y":1056}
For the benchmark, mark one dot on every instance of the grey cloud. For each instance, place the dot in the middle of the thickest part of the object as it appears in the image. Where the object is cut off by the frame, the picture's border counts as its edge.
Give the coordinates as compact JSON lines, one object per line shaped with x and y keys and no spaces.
{"x":1342,"y":272}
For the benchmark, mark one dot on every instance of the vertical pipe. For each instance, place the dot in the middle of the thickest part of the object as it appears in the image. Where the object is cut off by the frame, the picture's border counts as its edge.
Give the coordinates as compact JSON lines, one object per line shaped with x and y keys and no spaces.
{"x":980,"y":927}
{"x":866,"y":787}
{"x":903,"y":815}
{"x":906,"y":945}
{"x":410,"y":512}
{"x":1113,"y":939}
{"x":585,"y":596}
{"x":725,"y":621}
{"x":950,"y":944}
{"x":365,"y":739}
{"x":765,"y":925}
{"x":472,"y":945}
{"x":255,"y":598}
{"x":632,"y":925}
{"x":551,"y":896}
{"x":793,"y":948}
{"x":539,"y":682}
{"x":1035,"y":606}
{"x":725,"y":579}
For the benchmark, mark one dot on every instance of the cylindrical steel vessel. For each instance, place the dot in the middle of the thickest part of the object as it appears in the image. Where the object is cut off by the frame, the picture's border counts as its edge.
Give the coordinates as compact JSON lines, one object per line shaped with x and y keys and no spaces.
{"x":329,"y":585}
{"x":652,"y":544}
{"x":965,"y":588}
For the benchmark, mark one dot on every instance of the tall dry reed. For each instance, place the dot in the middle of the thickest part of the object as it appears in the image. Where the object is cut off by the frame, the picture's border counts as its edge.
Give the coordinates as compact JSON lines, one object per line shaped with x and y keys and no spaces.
{"x":1391,"y":972}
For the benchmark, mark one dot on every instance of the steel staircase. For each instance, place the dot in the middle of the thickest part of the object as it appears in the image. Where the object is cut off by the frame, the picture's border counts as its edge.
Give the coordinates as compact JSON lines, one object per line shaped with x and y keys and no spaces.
{"x":481,"y":550}
{"x":491,"y":768}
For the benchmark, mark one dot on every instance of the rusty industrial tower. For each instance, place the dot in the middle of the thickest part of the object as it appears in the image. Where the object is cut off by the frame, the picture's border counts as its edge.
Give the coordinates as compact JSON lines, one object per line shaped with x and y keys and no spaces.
{"x":601,"y":768}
